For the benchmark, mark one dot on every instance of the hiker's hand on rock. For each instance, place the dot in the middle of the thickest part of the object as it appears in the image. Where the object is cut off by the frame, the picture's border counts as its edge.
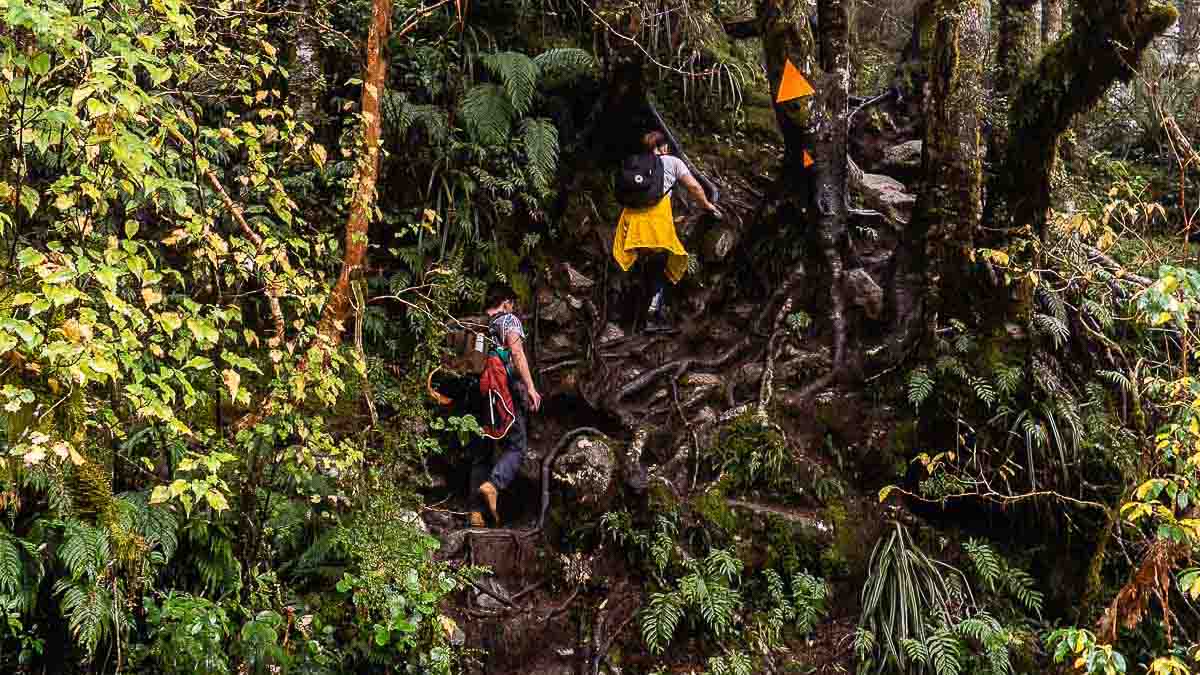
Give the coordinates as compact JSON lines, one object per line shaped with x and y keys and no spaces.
{"x":535,"y":399}
{"x":712,"y":208}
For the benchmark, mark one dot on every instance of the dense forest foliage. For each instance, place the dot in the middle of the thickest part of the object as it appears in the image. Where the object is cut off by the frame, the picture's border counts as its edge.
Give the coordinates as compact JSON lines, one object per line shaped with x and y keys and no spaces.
{"x":930,"y":407}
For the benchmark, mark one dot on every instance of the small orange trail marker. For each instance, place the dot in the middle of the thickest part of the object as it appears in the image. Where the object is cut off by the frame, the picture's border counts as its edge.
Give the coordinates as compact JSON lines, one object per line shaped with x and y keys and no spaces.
{"x":794,"y":85}
{"x":808,"y":160}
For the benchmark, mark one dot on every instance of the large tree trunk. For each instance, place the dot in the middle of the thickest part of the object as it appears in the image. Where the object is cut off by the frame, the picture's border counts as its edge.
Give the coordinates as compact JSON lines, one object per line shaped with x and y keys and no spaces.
{"x":832,"y":108}
{"x":787,"y":35}
{"x":1017,"y":42}
{"x":366,"y":173}
{"x":949,"y":202}
{"x":1052,"y":20}
{"x":1106,"y":42}
{"x":1189,"y":30}
{"x":307,"y":82}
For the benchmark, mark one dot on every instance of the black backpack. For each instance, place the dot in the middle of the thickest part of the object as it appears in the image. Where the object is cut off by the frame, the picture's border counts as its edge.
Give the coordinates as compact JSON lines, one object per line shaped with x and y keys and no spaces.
{"x":640,"y":180}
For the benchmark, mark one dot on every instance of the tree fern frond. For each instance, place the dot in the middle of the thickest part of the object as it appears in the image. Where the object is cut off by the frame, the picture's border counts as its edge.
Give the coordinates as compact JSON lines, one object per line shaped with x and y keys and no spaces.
{"x":519,"y":74}
{"x":564,"y":59}
{"x":540,"y":138}
{"x":487,"y":113}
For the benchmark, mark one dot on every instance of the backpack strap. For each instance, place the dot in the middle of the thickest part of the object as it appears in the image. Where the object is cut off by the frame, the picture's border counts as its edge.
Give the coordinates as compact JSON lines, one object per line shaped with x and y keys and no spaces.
{"x":494,"y":334}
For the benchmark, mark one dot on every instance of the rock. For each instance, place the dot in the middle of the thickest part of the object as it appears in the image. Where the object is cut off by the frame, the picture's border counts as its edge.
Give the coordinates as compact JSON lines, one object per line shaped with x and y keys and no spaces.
{"x":862,"y":291}
{"x":805,"y":525}
{"x":486,"y":601}
{"x":555,"y":309}
{"x":452,"y":544}
{"x":587,"y":465}
{"x":702,"y":380}
{"x":438,"y":522}
{"x":887,"y":195}
{"x":719,"y":242}
{"x":413,"y":519}
{"x":573,"y":279}
{"x":610,"y":333}
{"x":903,"y":159}
{"x":561,"y":342}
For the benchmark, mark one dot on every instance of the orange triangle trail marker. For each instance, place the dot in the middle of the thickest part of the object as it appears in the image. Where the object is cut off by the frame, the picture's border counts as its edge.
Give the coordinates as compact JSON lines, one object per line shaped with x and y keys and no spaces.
{"x":794,"y":84}
{"x":808,"y":160}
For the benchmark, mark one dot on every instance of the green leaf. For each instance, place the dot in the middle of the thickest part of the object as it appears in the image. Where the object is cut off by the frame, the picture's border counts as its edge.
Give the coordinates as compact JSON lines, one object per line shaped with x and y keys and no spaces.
{"x":216,"y":500}
{"x":199,"y":363}
{"x":29,"y":258}
{"x":40,"y":64}
{"x":29,"y":199}
{"x":131,"y":228}
{"x":7,"y":343}
{"x":178,"y":487}
{"x":204,"y":330}
{"x":21,"y":299}
{"x":170,"y":321}
{"x":160,"y":494}
{"x":23,"y":329}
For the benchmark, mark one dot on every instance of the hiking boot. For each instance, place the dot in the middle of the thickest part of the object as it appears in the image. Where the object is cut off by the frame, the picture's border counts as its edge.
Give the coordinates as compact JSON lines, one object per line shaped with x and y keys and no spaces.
{"x":477,"y":519}
{"x":490,"y":494}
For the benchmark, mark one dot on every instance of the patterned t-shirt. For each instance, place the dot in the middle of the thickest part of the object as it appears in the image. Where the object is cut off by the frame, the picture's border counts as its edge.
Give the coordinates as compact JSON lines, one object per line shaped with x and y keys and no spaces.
{"x":503,"y":325}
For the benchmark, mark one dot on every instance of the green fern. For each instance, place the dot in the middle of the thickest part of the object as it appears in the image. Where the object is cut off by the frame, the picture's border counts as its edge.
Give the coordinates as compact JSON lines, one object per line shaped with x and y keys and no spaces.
{"x":563,"y":63}
{"x":660,"y":619}
{"x":920,"y":386}
{"x":487,"y":113}
{"x":540,"y":138}
{"x":519,"y":74}
{"x":1052,"y":326}
{"x":986,"y":562}
{"x":945,"y":652}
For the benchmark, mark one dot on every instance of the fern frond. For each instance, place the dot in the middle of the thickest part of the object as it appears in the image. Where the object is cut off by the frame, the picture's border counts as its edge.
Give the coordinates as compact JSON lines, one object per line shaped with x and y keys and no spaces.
{"x":1053,"y":326}
{"x":519,"y":74}
{"x":920,"y":386}
{"x":659,"y":620}
{"x":987,"y":564}
{"x":540,"y":138}
{"x":487,"y":113}
{"x":1117,"y":379}
{"x":564,"y":60}
{"x":945,"y":653}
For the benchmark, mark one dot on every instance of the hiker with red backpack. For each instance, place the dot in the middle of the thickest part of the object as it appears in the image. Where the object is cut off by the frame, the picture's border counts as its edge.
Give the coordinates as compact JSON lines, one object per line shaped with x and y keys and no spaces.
{"x":647,"y":224}
{"x":507,"y":386}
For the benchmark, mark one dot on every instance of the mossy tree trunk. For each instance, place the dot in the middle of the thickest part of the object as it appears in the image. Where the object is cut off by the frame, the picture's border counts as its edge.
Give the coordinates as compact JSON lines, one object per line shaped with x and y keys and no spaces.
{"x":1052,"y":20}
{"x":1105,"y":44}
{"x":1018,"y":39}
{"x":832,"y":166}
{"x":307,"y":82}
{"x":787,"y":35}
{"x":949,"y":202}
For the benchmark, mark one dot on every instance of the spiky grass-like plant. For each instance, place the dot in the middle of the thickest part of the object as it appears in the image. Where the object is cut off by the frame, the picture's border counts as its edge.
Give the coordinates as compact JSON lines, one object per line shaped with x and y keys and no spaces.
{"x":906,"y":597}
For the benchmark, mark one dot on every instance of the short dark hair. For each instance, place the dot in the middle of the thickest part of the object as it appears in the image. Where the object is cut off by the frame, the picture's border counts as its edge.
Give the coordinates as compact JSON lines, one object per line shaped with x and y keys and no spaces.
{"x":653,"y":139}
{"x":497,"y":293}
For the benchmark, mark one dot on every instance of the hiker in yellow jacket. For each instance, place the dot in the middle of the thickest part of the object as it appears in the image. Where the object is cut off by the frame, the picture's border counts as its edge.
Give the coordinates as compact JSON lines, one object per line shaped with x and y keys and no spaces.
{"x":647,"y":225}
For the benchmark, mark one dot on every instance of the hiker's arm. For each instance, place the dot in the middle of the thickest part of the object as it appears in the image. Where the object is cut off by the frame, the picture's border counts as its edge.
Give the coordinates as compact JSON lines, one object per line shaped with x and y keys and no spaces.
{"x":697,"y":192}
{"x":517,"y":346}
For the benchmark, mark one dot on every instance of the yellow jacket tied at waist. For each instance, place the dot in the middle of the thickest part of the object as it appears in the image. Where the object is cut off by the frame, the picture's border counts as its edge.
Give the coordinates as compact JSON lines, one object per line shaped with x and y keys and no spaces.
{"x":652,"y":229}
